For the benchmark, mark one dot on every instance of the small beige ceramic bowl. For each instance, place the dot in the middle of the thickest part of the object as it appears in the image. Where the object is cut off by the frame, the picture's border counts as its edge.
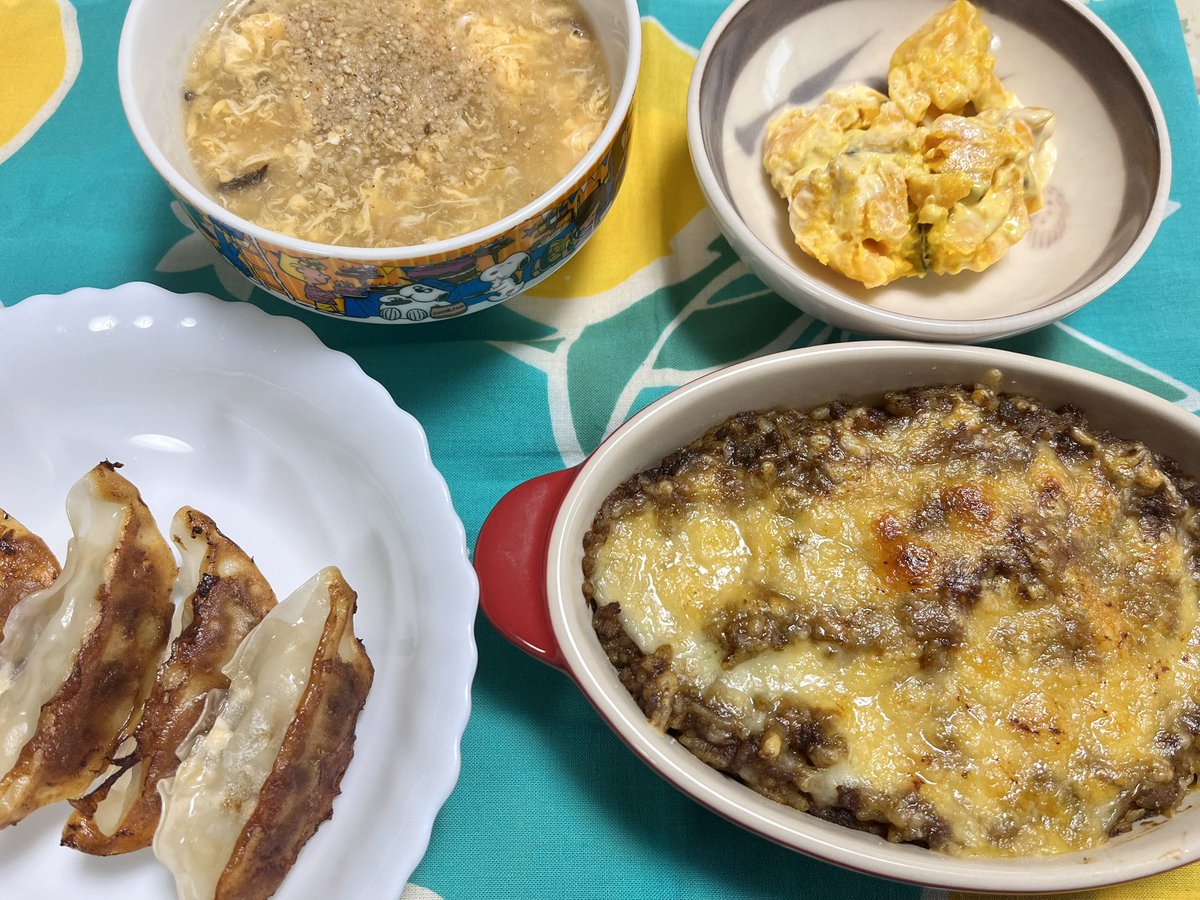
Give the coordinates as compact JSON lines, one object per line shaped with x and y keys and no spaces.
{"x":1106,"y":197}
{"x":389,"y":285}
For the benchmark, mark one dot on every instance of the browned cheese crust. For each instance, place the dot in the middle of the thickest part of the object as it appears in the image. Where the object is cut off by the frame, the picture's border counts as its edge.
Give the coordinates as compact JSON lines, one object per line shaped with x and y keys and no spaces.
{"x":957,"y":618}
{"x":229,"y":600}
{"x":298,"y":794}
{"x":26,"y":565}
{"x":80,"y":727}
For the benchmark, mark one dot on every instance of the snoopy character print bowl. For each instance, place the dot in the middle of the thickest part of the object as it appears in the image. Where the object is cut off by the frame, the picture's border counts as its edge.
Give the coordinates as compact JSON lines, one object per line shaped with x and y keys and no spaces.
{"x":1105,"y":199}
{"x":390,"y":285}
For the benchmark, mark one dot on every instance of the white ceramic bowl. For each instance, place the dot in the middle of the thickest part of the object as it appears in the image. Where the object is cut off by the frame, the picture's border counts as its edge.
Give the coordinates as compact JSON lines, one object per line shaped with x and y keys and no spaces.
{"x":1105,"y":201}
{"x":389,"y":285}
{"x":529,"y":560}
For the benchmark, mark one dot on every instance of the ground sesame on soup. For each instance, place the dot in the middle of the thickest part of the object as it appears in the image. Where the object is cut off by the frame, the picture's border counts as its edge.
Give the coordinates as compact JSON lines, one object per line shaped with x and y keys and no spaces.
{"x":391,"y":122}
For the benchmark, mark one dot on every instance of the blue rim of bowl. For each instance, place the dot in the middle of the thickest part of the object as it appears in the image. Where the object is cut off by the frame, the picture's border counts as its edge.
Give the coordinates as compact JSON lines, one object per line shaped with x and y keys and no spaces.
{"x":201,"y":201}
{"x":903,"y":324}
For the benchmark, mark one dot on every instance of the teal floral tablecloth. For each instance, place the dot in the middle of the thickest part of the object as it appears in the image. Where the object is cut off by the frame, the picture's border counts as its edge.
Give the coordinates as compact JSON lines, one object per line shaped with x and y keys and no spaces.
{"x":550,"y":803}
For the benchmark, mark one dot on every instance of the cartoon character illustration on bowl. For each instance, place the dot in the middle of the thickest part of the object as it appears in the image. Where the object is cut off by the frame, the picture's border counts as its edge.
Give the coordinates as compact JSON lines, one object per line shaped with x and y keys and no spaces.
{"x":504,"y":279}
{"x":427,"y":297}
{"x":320,"y":290}
{"x":439,"y":299}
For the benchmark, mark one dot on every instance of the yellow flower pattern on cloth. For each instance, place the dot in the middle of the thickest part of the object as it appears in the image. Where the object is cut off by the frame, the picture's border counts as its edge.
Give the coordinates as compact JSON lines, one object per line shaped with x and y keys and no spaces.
{"x":939,"y":177}
{"x":39,"y":59}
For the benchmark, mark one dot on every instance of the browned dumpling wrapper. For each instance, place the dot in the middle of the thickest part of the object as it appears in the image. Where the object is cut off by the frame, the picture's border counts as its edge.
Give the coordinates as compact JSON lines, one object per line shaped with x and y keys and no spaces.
{"x":227,"y":598}
{"x":26,"y":565}
{"x":261,"y":769}
{"x":79,"y":657}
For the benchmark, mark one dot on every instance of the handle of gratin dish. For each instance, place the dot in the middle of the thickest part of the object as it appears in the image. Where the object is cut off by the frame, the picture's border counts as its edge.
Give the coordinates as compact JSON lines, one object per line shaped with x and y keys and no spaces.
{"x":511,"y":558}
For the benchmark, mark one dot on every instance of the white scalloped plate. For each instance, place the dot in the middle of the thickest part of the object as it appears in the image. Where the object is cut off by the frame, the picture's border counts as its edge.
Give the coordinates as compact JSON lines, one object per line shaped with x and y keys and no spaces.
{"x":304,"y":461}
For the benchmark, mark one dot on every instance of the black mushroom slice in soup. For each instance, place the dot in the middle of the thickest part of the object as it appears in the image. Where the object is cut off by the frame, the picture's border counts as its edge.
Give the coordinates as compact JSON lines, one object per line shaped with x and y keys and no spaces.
{"x":956,"y":618}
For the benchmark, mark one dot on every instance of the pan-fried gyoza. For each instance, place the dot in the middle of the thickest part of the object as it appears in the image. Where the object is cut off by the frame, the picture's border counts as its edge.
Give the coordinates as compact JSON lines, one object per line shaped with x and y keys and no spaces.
{"x":216,"y":728}
{"x":261,"y":769}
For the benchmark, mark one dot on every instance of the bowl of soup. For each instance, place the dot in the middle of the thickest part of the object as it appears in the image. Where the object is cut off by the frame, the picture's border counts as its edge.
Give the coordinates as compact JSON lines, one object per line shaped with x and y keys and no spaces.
{"x":395,"y":162}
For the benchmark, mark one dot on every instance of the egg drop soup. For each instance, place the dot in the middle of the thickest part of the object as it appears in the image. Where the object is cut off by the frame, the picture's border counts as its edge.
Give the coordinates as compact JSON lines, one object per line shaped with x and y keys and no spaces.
{"x":391,"y":122}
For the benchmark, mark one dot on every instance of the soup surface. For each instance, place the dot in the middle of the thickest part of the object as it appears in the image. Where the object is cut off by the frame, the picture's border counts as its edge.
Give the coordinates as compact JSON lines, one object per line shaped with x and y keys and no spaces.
{"x":391,"y":122}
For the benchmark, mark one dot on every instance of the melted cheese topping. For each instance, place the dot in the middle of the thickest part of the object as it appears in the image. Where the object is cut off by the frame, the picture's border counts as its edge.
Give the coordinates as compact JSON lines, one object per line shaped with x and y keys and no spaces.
{"x":994,"y":628}
{"x":216,"y":788}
